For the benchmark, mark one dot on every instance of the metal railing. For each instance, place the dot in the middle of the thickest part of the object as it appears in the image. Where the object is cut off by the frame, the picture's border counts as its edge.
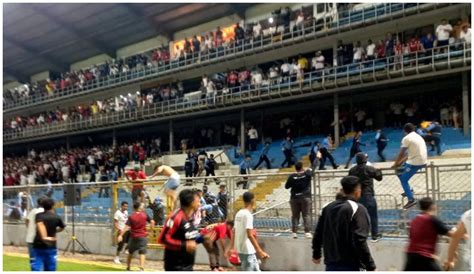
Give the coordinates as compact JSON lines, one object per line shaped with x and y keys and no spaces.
{"x":273,"y":213}
{"x":347,"y":20}
{"x":442,"y":58}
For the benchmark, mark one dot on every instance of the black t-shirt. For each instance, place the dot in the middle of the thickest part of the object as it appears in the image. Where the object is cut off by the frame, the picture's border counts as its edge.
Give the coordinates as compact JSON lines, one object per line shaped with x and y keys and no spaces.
{"x":52,"y":222}
{"x":300,"y":184}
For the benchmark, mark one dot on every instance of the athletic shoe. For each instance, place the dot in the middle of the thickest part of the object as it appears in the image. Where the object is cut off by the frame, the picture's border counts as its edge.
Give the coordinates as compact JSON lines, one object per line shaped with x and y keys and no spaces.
{"x":128,"y":268}
{"x":141,"y":270}
{"x":409,"y":204}
{"x":376,"y":238}
{"x":337,"y":166}
{"x":295,"y":236}
{"x":308,"y":235}
{"x":117,"y":260}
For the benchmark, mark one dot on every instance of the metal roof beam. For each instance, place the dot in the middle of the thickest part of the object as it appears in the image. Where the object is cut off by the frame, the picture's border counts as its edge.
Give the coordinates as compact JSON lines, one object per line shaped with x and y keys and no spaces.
{"x":47,"y":58}
{"x":138,"y":13}
{"x":80,"y":35}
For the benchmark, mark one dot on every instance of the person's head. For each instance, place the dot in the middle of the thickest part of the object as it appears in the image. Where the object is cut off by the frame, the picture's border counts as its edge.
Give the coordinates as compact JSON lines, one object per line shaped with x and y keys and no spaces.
{"x":205,"y":189}
{"x":229,"y":224}
{"x":136,"y":168}
{"x":157,"y":200}
{"x":465,"y":27}
{"x":249,"y":199}
{"x":124,"y":206}
{"x":351,"y":186}
{"x":211,"y":156}
{"x":248,"y":157}
{"x":137,"y":205}
{"x":408,"y":128}
{"x":198,"y":192}
{"x":444,"y":21}
{"x":288,"y":138}
{"x":427,"y":205}
{"x":361,"y":158}
{"x":47,"y":203}
{"x":370,"y":41}
{"x":222,"y":187}
{"x":189,"y":199}
{"x":299,"y":166}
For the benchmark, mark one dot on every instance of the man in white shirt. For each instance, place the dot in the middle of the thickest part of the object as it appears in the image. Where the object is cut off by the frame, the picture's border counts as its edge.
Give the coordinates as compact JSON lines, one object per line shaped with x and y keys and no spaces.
{"x":465,"y":35}
{"x":245,"y":241}
{"x":412,"y":157}
{"x":257,"y":30}
{"x":462,"y":229}
{"x":358,"y":52}
{"x":120,"y":219}
{"x":30,"y":222}
{"x":442,"y":33}
{"x":370,"y":50}
{"x":285,"y":71}
{"x":318,"y":61}
{"x":253,"y":138}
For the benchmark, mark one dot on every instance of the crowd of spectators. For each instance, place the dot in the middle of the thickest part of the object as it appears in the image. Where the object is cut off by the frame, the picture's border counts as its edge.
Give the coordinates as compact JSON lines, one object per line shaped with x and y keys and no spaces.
{"x":99,"y":163}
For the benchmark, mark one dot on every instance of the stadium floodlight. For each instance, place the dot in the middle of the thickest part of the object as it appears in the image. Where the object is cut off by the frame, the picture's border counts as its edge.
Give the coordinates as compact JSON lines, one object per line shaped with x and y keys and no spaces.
{"x":270,"y":20}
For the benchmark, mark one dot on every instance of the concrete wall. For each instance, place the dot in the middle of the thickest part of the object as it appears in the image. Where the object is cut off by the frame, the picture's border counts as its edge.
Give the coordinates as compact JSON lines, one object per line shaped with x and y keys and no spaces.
{"x":143,"y":46}
{"x":39,"y":76}
{"x":12,"y":85}
{"x":388,"y":254}
{"x":263,"y":11}
{"x":206,"y":27}
{"x":95,"y":60}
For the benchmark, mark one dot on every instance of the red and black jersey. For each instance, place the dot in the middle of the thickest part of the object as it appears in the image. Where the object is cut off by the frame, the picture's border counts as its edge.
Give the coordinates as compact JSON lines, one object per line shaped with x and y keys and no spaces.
{"x":177,"y":230}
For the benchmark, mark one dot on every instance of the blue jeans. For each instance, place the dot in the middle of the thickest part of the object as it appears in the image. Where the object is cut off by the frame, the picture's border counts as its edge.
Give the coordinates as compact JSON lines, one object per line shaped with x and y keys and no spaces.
{"x":248,"y":262}
{"x":337,"y":267}
{"x":371,"y":204}
{"x":45,"y":259}
{"x":407,"y":171}
{"x":31,"y":253}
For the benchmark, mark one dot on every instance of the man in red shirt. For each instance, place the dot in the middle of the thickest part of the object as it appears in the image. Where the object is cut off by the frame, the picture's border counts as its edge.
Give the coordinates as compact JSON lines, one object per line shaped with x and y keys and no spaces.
{"x":135,"y":176}
{"x":141,"y":156}
{"x":424,"y":231}
{"x":217,"y":233}
{"x":414,"y":46}
{"x":138,"y":241}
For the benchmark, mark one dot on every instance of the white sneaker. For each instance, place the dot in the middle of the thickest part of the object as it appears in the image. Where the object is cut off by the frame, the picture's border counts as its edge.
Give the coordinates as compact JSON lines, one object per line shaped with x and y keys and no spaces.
{"x":308,"y":235}
{"x":117,"y":260}
{"x":295,"y":236}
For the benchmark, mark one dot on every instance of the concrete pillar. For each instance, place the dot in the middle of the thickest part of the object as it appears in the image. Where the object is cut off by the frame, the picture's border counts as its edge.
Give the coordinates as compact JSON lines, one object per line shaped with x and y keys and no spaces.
{"x":171,"y":137}
{"x":68,"y":146}
{"x":114,"y":138}
{"x":336,"y":120}
{"x":465,"y":104}
{"x":242,"y":131}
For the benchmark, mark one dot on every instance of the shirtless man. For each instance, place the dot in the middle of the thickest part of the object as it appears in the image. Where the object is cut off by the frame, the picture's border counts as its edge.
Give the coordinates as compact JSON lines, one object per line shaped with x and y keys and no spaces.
{"x":170,"y":186}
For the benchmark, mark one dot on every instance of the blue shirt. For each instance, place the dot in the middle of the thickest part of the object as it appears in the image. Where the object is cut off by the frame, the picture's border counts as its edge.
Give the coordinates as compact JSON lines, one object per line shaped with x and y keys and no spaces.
{"x":326,"y":143}
{"x":265,"y":151}
{"x":245,"y":165}
{"x":287,"y":145}
{"x":427,"y":43}
{"x":421,"y":132}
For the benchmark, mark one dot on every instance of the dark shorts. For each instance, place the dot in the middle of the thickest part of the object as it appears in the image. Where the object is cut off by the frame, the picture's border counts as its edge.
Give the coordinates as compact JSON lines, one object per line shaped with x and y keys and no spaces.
{"x":137,"y":244}
{"x":443,"y":43}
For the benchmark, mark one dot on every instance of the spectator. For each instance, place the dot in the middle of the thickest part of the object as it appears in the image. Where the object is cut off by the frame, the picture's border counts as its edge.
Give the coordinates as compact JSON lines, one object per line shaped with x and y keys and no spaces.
{"x":427,"y":44}
{"x":465,"y":35}
{"x":341,"y":53}
{"x":239,"y":34}
{"x":196,"y":46}
{"x":300,"y":201}
{"x":358,"y":52}
{"x":442,"y":33}
{"x":389,"y":47}
{"x":317,"y":63}
{"x":414,"y":46}
{"x":342,"y":232}
{"x":213,"y":234}
{"x":257,"y":31}
{"x":424,"y":231}
{"x":285,"y":71}
{"x":370,"y":50}
{"x":223,"y":200}
{"x":158,"y":209}
{"x":398,"y":50}
{"x":462,"y":231}
{"x":120,"y":220}
{"x":302,"y":63}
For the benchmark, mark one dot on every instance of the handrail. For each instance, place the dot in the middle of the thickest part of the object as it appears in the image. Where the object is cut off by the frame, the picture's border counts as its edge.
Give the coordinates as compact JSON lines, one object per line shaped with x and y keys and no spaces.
{"x":174,"y":65}
{"x":273,"y":88}
{"x":268,"y":208}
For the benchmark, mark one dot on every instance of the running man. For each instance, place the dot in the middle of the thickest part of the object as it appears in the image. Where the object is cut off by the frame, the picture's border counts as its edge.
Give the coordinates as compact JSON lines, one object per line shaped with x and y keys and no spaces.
{"x":355,"y":148}
{"x":138,"y":241}
{"x":325,"y":147}
{"x":120,"y":219}
{"x":414,"y":152}
{"x":170,"y":186}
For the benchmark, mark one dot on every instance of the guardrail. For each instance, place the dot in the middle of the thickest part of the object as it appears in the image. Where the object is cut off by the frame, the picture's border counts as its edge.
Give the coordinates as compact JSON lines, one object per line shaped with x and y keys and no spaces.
{"x":273,"y":214}
{"x":347,"y":20}
{"x":378,"y":70}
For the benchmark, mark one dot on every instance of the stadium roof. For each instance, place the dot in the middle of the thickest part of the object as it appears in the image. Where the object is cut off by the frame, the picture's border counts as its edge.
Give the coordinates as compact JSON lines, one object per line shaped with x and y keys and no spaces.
{"x":39,"y":37}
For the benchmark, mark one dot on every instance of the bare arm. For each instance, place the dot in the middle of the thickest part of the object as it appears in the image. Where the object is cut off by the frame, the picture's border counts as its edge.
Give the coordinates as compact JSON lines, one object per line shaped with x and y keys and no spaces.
{"x":456,"y":237}
{"x":401,"y":157}
{"x":43,"y":233}
{"x":260,"y":253}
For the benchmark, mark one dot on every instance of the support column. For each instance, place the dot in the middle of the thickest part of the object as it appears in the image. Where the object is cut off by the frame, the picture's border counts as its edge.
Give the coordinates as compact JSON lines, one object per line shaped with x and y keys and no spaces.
{"x":336,"y":120}
{"x":114,"y":138}
{"x":242,"y":131}
{"x":465,"y":104}
{"x":67,"y":143}
{"x":171,"y":137}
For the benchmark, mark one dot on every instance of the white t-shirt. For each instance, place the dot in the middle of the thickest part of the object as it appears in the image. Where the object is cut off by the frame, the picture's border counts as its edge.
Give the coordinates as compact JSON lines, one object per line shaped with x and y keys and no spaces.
{"x":256,"y":30}
{"x":318,"y":62}
{"x":285,"y":67}
{"x":416,"y":148}
{"x":31,"y":230}
{"x":358,"y":52}
{"x":371,"y":49}
{"x":91,"y":160}
{"x":257,"y":78}
{"x":121,"y":217}
{"x":65,"y":171}
{"x":253,"y":134}
{"x":442,"y":32}
{"x":466,"y":36}
{"x":397,"y":108}
{"x":360,"y":115}
{"x":243,"y":221}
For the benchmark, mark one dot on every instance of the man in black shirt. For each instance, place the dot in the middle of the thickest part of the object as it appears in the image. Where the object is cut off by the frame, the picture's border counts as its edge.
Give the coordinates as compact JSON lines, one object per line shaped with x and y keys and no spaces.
{"x":223,"y":201}
{"x":342,"y":232}
{"x":300,"y":201}
{"x":366,"y":174}
{"x":44,"y":245}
